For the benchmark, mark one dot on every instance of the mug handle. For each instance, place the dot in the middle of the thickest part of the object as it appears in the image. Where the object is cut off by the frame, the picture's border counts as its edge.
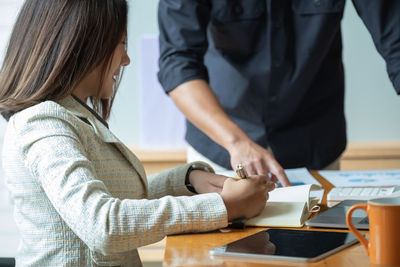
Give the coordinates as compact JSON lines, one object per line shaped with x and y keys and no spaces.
{"x":349,"y":222}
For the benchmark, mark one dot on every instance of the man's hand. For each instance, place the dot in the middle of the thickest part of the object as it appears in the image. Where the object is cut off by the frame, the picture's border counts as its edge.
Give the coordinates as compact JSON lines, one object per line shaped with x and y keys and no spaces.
{"x":200,"y":105}
{"x":257,"y":161}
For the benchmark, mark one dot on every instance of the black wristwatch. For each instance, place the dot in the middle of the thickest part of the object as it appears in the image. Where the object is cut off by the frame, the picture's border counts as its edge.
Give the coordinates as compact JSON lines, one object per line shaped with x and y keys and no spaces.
{"x":195,"y":166}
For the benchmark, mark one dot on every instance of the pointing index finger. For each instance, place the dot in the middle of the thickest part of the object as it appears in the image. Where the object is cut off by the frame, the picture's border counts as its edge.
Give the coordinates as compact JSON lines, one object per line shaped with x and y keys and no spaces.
{"x":283,"y":179}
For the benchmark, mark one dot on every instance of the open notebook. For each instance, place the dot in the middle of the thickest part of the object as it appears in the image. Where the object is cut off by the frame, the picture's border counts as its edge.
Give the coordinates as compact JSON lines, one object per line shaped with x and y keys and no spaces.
{"x":287,"y":207}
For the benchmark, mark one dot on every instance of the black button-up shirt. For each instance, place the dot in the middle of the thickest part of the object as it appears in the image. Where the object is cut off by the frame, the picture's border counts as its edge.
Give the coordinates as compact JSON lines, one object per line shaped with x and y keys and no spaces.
{"x":275,"y":66}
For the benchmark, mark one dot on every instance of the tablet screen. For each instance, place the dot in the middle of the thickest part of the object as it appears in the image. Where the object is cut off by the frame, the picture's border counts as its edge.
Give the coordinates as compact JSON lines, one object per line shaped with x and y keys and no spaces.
{"x":287,"y":244}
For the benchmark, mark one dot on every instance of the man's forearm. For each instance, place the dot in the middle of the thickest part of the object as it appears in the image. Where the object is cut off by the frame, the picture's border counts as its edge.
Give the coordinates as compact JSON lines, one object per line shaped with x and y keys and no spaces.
{"x":202,"y":108}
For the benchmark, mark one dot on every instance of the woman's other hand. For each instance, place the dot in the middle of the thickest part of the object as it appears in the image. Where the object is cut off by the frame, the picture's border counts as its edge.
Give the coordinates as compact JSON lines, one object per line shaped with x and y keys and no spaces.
{"x":206,"y":182}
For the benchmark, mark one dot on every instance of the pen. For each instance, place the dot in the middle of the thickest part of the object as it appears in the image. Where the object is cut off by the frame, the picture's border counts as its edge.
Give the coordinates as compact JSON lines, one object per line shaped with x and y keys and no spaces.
{"x":239,"y":223}
{"x":241,"y":171}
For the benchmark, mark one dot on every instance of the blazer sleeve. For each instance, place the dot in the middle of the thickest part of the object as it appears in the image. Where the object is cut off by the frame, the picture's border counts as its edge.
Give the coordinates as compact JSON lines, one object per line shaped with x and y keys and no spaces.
{"x":56,"y":157}
{"x":171,"y":181}
{"x":382,"y":19}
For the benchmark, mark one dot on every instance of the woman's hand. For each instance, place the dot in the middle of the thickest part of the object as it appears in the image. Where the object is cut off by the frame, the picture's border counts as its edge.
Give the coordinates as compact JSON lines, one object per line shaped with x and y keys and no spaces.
{"x":206,"y":182}
{"x":246,"y":197}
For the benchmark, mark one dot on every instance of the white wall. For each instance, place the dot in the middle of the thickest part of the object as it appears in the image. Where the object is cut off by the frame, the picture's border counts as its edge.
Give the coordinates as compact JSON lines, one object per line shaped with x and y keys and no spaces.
{"x":372,"y":105}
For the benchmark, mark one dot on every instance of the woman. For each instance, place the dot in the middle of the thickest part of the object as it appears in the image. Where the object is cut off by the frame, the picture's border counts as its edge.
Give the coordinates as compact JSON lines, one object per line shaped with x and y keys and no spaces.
{"x":81,"y":197}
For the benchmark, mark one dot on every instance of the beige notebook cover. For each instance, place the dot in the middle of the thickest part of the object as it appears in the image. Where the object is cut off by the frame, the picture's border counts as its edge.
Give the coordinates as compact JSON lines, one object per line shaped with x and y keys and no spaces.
{"x":287,"y":207}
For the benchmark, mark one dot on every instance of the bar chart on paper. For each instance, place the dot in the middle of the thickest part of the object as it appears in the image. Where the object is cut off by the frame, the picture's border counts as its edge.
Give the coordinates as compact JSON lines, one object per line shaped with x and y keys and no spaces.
{"x":362,"y":178}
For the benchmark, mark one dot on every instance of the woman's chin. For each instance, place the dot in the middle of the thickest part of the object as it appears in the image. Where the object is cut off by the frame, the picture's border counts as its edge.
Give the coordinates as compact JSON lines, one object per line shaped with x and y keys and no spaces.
{"x":106,"y":96}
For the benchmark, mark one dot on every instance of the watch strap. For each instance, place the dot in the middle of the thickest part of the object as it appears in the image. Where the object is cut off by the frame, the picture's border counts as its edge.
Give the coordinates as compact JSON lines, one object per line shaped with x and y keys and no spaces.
{"x":195,"y":166}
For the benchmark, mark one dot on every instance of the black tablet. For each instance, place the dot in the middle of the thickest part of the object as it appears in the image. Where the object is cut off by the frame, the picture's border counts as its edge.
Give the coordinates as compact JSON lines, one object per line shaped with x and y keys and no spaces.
{"x":285,"y":244}
{"x":335,"y":217}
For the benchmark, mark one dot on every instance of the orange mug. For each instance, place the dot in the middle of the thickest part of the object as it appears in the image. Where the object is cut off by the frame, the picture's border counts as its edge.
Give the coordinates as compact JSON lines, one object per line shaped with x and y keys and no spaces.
{"x":383,"y":246}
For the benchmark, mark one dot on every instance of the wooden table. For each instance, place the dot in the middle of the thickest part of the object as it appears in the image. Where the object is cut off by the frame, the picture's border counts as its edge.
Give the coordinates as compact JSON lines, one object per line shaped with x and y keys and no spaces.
{"x":193,"y":249}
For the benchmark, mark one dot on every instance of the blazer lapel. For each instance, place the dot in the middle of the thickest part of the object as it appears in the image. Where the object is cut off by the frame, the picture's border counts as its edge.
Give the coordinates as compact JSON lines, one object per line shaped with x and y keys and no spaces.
{"x":105,"y":134}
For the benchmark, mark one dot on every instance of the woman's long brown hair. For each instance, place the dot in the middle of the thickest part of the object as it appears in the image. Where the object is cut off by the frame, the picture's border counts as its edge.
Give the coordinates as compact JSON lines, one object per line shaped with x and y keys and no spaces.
{"x":54,"y":45}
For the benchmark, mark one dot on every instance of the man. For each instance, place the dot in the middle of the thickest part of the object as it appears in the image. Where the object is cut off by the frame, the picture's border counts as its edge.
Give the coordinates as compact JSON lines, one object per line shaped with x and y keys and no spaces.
{"x":261,"y":81}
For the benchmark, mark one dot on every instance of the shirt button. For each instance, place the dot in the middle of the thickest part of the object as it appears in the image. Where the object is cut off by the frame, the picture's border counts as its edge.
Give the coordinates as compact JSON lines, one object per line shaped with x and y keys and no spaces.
{"x":272,"y":98}
{"x":277,"y":24}
{"x":276,"y":63}
{"x":238,"y":9}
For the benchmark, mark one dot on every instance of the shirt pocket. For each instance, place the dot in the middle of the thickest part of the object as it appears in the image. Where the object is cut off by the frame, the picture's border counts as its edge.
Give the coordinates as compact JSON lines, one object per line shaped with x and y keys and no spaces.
{"x":228,"y":10}
{"x":237,"y":27}
{"x":314,"y":7}
{"x":316,"y":25}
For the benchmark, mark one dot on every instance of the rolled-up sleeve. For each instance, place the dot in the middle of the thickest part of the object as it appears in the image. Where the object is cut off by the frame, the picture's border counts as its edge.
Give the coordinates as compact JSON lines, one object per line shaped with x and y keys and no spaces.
{"x":381,"y":17}
{"x":183,"y":41}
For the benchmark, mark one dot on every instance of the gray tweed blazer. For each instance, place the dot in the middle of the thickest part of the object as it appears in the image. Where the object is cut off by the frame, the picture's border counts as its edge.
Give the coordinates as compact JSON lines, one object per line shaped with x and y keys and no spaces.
{"x":81,"y":197}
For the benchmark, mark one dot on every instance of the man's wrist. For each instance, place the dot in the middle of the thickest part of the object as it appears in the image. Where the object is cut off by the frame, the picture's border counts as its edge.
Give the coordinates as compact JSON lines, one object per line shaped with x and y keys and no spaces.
{"x":239,"y":140}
